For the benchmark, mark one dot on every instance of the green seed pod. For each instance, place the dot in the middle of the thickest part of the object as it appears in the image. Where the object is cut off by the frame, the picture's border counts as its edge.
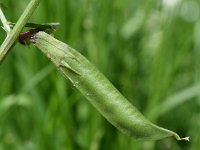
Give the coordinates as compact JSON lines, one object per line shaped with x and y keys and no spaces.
{"x":99,"y":90}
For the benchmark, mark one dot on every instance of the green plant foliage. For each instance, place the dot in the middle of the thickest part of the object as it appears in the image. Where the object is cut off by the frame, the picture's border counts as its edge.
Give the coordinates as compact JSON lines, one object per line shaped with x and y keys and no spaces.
{"x":149,"y":51}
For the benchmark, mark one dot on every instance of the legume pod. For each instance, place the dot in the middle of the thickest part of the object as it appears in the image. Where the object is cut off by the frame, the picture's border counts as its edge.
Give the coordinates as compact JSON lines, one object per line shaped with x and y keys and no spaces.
{"x":99,"y":90}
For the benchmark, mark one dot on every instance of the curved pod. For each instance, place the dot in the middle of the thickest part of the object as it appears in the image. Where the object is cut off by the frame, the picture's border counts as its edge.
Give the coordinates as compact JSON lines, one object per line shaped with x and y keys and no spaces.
{"x":99,"y":90}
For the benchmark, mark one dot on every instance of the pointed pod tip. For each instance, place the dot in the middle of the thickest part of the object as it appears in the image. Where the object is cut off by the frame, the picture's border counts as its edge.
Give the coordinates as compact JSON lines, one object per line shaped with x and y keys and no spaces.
{"x":186,"y":138}
{"x":180,"y":139}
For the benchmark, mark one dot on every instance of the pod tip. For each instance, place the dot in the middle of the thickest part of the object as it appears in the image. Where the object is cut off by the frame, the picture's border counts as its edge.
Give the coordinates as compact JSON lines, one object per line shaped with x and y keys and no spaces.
{"x":186,"y":138}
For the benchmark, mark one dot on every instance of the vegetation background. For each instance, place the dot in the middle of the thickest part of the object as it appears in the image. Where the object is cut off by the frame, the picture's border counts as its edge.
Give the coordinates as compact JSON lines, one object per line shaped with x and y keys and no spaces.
{"x":150,"y":50}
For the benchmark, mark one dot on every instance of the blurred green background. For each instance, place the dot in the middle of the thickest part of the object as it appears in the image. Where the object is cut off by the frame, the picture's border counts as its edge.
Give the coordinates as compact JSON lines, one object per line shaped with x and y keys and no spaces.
{"x":150,"y":50}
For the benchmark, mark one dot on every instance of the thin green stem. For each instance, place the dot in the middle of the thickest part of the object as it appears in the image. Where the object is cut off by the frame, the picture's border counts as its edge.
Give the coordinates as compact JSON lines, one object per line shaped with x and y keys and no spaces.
{"x":13,"y":34}
{"x":4,"y":21}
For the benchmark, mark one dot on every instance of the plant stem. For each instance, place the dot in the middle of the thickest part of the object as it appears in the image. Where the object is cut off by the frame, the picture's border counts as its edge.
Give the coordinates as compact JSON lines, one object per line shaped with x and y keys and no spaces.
{"x":13,"y":34}
{"x":6,"y":27}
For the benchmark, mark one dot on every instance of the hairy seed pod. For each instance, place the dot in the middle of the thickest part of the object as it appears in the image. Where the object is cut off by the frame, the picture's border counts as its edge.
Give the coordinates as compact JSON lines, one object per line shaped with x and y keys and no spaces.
{"x":99,"y":90}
